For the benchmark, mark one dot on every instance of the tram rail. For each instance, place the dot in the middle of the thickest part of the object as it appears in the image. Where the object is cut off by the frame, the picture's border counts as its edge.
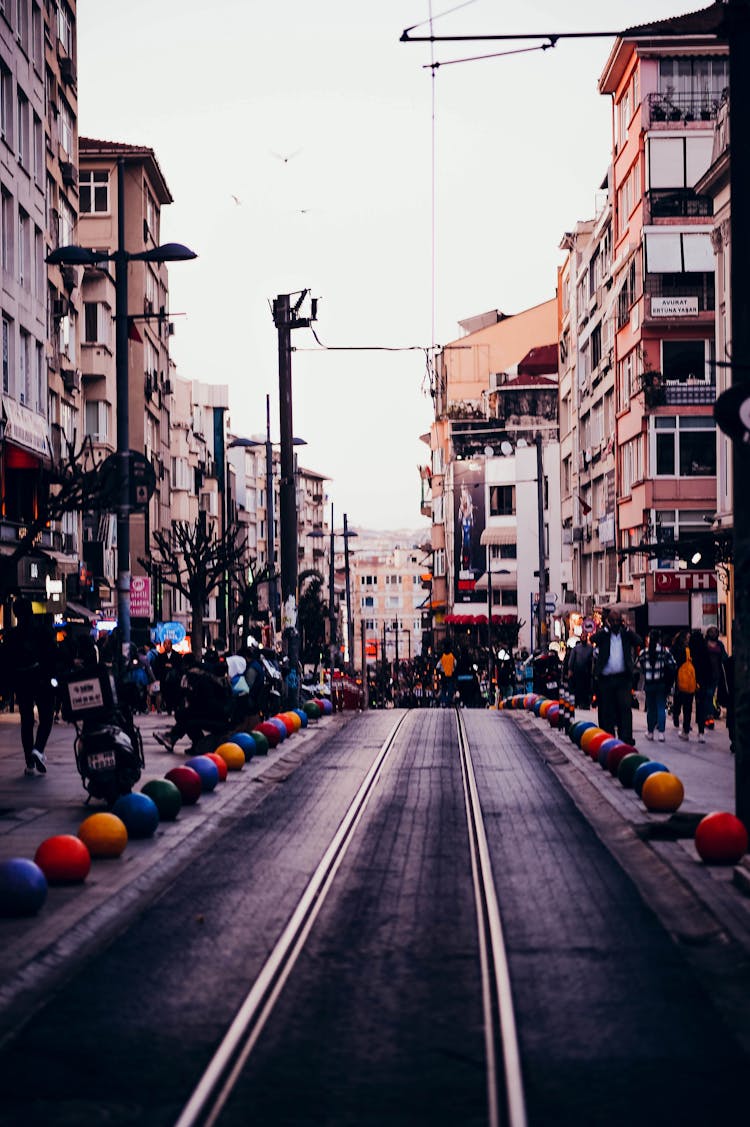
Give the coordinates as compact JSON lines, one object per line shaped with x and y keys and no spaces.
{"x":505,"y":1098}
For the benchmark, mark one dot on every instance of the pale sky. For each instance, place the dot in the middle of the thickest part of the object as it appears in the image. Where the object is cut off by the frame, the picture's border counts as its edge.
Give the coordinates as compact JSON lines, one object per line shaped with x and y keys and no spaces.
{"x":224,"y":91}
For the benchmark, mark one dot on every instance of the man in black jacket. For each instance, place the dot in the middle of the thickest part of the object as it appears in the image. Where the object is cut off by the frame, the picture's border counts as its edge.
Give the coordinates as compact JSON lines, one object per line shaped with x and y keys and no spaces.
{"x":616,"y":651}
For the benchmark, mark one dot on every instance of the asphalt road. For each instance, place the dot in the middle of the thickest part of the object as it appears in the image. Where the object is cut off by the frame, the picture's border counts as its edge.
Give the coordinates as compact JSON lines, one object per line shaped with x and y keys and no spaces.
{"x":381,"y":1018}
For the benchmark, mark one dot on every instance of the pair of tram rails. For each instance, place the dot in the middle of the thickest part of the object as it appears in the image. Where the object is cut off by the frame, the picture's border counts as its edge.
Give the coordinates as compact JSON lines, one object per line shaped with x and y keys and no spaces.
{"x":505,"y":1097}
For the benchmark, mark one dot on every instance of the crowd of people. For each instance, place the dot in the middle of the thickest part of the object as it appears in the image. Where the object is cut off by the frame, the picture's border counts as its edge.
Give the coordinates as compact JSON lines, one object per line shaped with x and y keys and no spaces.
{"x":689,"y":676}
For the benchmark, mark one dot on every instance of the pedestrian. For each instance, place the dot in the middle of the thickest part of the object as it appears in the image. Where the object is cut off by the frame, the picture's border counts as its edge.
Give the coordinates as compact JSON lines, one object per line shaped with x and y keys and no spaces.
{"x":614,"y":664}
{"x":704,"y":696}
{"x":447,"y":672}
{"x":580,"y":671}
{"x":725,"y":695}
{"x":686,"y":684}
{"x":29,"y":664}
{"x":717,"y":655}
{"x":657,"y":665}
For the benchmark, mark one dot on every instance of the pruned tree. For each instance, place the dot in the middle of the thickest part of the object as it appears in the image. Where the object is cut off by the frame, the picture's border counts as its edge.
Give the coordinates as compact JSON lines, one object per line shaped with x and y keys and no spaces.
{"x":193,"y":559}
{"x":247,"y":582}
{"x":313,"y":612}
{"x":72,"y":483}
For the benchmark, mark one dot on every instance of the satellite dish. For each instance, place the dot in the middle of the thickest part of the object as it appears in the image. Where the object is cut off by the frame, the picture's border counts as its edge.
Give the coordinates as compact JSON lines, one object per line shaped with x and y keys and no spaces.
{"x":506,"y":448}
{"x":522,"y":444}
{"x":488,"y":451}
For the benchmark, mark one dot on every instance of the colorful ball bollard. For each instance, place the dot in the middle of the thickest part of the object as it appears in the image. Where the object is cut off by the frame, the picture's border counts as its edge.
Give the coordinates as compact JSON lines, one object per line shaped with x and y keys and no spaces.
{"x":588,"y":736}
{"x":644,"y":771}
{"x":281,"y":726}
{"x":139,"y":813}
{"x":292,"y":721}
{"x":576,"y":730}
{"x":605,"y":748}
{"x":104,"y":835}
{"x":326,"y":706}
{"x":312,"y":709}
{"x":64,"y":859}
{"x":616,"y":756}
{"x":554,"y":716}
{"x":188,"y":783}
{"x":246,"y":741}
{"x":220,"y":765}
{"x":232,"y":754}
{"x":546,"y":706}
{"x":662,"y":792}
{"x":261,"y":742}
{"x":629,"y":764}
{"x":721,"y":838}
{"x":23,"y":887}
{"x":302,"y":716}
{"x":287,"y":722}
{"x":271,"y":732}
{"x":207,"y":770}
{"x":594,"y":744}
{"x":528,"y":700}
{"x":165,"y":796}
{"x":537,"y":706}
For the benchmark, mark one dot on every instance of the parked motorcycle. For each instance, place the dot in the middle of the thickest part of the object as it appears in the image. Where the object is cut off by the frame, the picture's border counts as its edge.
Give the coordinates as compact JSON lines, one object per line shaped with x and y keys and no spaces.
{"x":108,"y":746}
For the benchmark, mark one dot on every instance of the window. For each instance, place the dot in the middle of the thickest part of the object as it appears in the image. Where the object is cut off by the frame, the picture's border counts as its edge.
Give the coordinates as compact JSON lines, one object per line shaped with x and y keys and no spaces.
{"x":6,"y":353}
{"x":684,"y":360}
{"x":439,"y":562}
{"x":66,"y":128}
{"x":502,"y":500}
{"x":65,"y":28}
{"x":38,"y":152}
{"x":675,"y":252}
{"x":704,"y":78}
{"x":40,"y":380}
{"x":36,"y":36}
{"x":40,"y":274}
{"x":509,"y":597}
{"x":24,"y":249}
{"x":504,"y":551}
{"x":677,"y":162}
{"x":67,"y":222}
{"x":22,"y":139}
{"x":22,"y":24}
{"x":368,"y":601}
{"x":93,"y":191}
{"x":6,"y":104}
{"x":6,"y":210}
{"x":684,"y":446}
{"x":393,"y":601}
{"x":97,"y":320}
{"x":24,"y":368}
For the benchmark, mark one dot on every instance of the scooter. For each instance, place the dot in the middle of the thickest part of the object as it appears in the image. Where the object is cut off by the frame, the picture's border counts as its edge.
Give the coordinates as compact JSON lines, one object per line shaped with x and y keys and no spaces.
{"x":108,"y":746}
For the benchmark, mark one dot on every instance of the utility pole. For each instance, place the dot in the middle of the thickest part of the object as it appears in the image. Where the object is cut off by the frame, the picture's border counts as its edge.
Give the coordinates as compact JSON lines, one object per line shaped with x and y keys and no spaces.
{"x":270,"y":521}
{"x":542,"y":639}
{"x":490,"y":661}
{"x":122,"y":389}
{"x":738,"y":21}
{"x":331,"y":597}
{"x":285,"y":318}
{"x":349,"y":615}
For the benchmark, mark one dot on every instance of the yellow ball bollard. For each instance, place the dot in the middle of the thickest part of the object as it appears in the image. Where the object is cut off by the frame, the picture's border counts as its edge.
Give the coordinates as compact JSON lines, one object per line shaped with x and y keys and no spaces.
{"x":233,"y":756}
{"x":103,"y":834}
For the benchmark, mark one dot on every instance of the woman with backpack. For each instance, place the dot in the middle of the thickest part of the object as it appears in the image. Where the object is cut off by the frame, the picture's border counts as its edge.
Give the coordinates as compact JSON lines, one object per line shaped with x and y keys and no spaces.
{"x":657,"y":665}
{"x":693,"y":676}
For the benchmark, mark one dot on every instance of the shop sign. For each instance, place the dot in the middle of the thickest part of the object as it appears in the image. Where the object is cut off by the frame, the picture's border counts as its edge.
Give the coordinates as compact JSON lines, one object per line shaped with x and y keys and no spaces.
{"x":140,"y":596}
{"x":674,"y":306}
{"x":676,"y":582}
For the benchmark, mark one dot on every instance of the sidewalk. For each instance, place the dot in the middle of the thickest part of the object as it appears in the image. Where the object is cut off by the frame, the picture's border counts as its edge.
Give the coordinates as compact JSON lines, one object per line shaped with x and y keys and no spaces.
{"x":41,"y":951}
{"x":707,"y":774}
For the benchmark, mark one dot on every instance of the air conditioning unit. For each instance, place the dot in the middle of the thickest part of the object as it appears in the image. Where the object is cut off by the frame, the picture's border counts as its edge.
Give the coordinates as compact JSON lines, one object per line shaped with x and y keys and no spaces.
{"x":70,"y":277}
{"x":60,"y":307}
{"x":167,"y":387}
{"x":170,"y":329}
{"x":71,"y":378}
{"x":577,"y":533}
{"x":69,"y":173}
{"x":148,"y":386}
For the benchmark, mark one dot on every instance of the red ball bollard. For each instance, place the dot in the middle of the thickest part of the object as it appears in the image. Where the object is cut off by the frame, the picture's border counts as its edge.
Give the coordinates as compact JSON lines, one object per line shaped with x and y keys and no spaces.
{"x":721,"y":839}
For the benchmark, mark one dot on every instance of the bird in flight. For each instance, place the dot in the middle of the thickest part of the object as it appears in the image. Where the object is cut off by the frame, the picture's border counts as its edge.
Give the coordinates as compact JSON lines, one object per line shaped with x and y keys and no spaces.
{"x":285,"y":159}
{"x":237,"y":200}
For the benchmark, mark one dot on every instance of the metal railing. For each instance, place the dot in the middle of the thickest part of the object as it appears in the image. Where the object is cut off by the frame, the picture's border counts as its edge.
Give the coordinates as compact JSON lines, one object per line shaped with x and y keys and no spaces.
{"x":700,"y":286}
{"x":678,"y":203}
{"x":682,"y":107}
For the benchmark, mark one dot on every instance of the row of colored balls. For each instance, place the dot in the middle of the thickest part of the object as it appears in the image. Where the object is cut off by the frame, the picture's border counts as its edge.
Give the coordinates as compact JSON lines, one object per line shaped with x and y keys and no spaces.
{"x":720,"y":837}
{"x":66,"y":858}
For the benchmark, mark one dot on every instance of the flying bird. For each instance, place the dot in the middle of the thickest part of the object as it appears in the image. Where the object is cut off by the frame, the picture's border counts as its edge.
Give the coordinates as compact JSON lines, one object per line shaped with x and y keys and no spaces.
{"x":285,"y":159}
{"x":237,"y":200}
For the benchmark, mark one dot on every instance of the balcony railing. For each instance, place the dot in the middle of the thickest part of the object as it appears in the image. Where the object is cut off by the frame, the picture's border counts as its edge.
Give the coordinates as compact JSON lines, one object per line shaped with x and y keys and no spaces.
{"x":700,"y":286}
{"x":683,"y":393}
{"x":682,"y":107}
{"x":678,"y":203}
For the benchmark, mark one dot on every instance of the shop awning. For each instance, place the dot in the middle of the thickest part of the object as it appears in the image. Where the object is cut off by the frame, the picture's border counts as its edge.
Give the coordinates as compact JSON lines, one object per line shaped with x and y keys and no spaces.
{"x":501,"y":535}
{"x":25,"y":428}
{"x":500,"y":579}
{"x":78,"y":614}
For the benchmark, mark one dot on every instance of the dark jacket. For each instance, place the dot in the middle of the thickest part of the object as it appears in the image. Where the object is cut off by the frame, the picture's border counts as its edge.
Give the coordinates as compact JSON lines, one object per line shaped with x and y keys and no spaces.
{"x":631,"y":644}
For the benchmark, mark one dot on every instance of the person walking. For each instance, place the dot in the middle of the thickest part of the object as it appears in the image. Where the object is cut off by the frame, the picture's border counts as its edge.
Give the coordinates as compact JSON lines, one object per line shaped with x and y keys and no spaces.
{"x":29,"y":662}
{"x":447,"y":672}
{"x":717,"y":656}
{"x":657,"y":665}
{"x":580,"y":671}
{"x":686,"y":684}
{"x":614,"y":664}
{"x":704,"y":697}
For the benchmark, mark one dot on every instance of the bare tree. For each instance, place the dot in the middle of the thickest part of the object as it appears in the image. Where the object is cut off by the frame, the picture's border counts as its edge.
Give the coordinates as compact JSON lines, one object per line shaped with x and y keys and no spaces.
{"x":193,"y":559}
{"x":73,"y":483}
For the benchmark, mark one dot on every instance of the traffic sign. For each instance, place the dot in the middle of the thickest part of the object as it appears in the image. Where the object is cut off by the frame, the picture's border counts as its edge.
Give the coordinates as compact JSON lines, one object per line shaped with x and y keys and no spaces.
{"x":141,"y":480}
{"x":550,"y":604}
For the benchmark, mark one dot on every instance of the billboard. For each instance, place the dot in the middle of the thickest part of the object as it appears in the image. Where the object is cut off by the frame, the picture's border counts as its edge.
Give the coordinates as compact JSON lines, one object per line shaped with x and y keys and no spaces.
{"x":469,"y":521}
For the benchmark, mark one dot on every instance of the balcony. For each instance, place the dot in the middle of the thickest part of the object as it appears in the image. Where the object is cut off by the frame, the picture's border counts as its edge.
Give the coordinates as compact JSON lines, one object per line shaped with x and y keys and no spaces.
{"x":677,"y":393}
{"x":682,"y":108}
{"x":696,"y":293}
{"x":677,"y":203}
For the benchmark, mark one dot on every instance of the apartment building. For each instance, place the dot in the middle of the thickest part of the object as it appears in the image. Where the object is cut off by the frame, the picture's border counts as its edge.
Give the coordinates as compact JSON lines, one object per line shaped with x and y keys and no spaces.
{"x":495,"y":389}
{"x":667,"y":81}
{"x":387,"y":594}
{"x":150,"y":399}
{"x":587,"y":415}
{"x":38,"y":208}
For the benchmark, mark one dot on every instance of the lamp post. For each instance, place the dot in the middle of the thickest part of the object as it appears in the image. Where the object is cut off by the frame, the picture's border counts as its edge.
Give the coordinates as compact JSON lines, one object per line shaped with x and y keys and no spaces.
{"x":82,"y":256}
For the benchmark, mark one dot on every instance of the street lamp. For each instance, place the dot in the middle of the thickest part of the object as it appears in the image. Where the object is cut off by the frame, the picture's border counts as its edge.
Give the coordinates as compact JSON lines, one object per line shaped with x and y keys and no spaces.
{"x":346,"y":534}
{"x":82,"y":256}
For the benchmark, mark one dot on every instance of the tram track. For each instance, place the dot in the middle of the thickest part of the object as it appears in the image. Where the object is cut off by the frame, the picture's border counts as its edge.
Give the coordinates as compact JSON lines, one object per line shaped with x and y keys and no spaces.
{"x":504,"y":1087}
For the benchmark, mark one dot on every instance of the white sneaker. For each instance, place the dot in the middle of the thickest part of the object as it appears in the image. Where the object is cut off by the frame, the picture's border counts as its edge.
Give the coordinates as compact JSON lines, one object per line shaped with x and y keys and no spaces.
{"x":683,"y":735}
{"x":650,"y":736}
{"x":701,"y":739}
{"x":662,"y":737}
{"x":40,"y":761}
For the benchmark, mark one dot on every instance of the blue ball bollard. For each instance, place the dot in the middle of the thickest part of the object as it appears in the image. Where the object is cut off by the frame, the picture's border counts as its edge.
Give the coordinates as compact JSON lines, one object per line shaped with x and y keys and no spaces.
{"x":281,"y":726}
{"x":303,"y":716}
{"x":247,"y":743}
{"x":207,"y":770}
{"x":23,"y":887}
{"x":605,"y":749}
{"x":139,"y":813}
{"x":643,"y":772}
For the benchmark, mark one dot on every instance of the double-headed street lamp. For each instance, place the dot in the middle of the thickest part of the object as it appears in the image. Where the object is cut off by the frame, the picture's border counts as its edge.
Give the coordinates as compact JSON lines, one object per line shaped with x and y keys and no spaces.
{"x":346,"y":534}
{"x":83,"y":256}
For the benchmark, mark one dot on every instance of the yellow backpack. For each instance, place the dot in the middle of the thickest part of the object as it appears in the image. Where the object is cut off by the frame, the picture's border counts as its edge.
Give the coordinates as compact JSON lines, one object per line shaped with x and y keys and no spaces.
{"x":686,"y":679}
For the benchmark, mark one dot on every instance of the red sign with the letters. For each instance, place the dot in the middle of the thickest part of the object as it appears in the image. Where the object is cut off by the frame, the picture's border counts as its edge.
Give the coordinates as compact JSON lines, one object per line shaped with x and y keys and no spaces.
{"x":678,"y":582}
